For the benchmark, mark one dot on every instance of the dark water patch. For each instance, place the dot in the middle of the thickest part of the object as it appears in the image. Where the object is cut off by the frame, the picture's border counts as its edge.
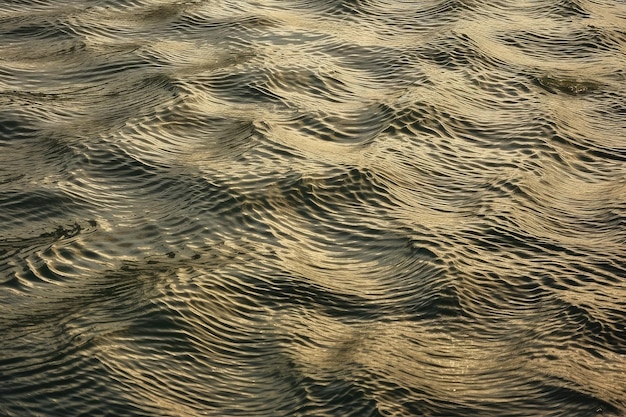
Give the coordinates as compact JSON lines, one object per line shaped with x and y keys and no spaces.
{"x":567,"y":85}
{"x":14,"y":129}
{"x":29,"y":207}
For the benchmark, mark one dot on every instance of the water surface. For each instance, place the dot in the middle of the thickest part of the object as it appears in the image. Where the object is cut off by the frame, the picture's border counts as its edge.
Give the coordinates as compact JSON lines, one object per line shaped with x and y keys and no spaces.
{"x":312,"y":208}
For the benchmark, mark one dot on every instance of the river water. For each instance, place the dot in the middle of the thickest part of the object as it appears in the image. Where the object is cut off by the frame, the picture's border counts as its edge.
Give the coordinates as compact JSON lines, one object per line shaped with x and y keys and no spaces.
{"x":312,"y":208}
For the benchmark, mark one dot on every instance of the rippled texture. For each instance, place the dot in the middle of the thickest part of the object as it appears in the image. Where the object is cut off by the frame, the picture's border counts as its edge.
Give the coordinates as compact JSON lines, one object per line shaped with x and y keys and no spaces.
{"x":312,"y":208}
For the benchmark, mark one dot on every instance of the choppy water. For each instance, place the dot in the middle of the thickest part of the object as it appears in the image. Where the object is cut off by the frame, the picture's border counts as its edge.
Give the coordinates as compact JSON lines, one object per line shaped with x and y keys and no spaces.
{"x":312,"y":208}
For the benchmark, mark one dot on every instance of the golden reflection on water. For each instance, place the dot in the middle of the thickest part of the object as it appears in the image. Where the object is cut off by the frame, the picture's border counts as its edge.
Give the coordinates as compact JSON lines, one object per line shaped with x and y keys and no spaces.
{"x":312,"y":207}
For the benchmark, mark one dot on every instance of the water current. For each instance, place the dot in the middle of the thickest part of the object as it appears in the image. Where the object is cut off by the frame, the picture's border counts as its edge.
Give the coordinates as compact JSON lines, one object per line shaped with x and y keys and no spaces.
{"x":312,"y":208}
